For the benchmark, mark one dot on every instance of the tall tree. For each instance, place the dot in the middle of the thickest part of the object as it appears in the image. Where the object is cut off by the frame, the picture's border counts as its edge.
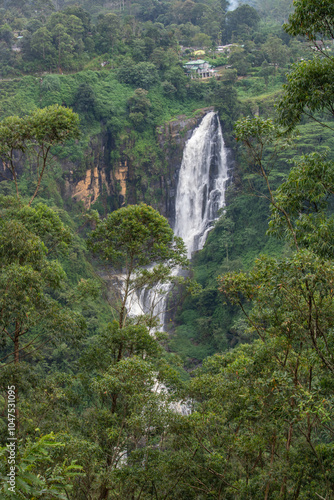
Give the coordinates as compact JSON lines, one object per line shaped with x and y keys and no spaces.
{"x":35,"y":134}
{"x":27,"y":277}
{"x":239,"y":23}
{"x":134,"y":237}
{"x":139,"y":243}
{"x":42,"y":40}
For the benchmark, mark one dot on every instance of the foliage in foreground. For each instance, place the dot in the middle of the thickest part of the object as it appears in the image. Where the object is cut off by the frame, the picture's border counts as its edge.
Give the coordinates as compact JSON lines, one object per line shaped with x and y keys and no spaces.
{"x":36,"y":474}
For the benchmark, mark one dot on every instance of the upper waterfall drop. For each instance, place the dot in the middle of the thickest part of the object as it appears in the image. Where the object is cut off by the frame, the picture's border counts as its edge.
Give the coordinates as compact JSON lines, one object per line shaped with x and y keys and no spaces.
{"x":201,"y":186}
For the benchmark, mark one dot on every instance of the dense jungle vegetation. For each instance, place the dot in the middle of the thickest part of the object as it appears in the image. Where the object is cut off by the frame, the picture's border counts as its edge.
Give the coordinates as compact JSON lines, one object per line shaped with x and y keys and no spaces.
{"x":235,"y":401}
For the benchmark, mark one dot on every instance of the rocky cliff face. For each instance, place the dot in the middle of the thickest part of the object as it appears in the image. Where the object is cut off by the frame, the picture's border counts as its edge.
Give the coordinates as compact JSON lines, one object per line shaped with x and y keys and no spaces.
{"x":118,"y":180}
{"x":89,"y":180}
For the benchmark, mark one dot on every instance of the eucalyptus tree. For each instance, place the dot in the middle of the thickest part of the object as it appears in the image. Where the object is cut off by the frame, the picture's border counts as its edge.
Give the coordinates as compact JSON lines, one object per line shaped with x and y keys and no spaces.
{"x":133,"y":238}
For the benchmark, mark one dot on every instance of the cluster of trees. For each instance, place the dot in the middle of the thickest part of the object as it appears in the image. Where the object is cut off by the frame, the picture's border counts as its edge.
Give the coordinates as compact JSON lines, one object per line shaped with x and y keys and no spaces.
{"x":67,"y":39}
{"x":267,"y":404}
{"x":114,"y":391}
{"x":63,"y":37}
{"x":141,"y":47}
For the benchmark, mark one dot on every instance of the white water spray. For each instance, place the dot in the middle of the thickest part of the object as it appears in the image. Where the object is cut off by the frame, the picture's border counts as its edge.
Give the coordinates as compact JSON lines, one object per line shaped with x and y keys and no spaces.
{"x":151,"y":302}
{"x":232,"y":5}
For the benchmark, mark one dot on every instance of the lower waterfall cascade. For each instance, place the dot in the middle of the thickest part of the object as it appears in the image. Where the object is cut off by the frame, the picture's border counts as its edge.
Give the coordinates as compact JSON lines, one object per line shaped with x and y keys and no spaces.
{"x":199,"y":197}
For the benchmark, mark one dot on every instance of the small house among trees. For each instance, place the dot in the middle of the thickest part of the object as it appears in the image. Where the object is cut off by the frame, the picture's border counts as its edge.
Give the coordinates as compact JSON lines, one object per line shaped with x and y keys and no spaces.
{"x":199,"y":69}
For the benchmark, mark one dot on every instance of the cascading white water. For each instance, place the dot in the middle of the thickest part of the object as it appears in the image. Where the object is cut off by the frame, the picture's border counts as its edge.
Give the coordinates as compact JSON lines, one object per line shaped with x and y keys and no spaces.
{"x":200,"y":194}
{"x":201,"y":186}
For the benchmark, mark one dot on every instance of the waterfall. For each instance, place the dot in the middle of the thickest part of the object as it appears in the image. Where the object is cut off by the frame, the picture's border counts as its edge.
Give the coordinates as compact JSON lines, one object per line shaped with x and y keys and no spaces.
{"x":201,"y":186}
{"x":199,"y":196}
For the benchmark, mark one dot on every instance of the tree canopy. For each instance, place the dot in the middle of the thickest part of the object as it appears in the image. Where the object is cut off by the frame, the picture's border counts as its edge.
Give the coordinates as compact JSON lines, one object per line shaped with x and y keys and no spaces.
{"x":309,"y":88}
{"x":35,"y":134}
{"x":134,"y":237}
